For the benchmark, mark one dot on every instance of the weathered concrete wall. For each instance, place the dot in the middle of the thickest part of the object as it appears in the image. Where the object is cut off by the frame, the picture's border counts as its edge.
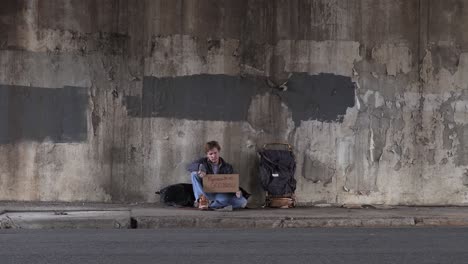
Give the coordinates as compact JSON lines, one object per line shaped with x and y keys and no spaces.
{"x":109,"y":100}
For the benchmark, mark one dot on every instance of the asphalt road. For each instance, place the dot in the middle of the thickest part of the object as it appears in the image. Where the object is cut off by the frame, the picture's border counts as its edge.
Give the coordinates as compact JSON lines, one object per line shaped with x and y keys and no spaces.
{"x":337,"y":245}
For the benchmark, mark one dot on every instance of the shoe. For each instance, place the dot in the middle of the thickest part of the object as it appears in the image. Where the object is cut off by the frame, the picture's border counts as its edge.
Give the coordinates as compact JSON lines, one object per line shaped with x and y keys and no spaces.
{"x":203,"y":202}
{"x":244,"y":205}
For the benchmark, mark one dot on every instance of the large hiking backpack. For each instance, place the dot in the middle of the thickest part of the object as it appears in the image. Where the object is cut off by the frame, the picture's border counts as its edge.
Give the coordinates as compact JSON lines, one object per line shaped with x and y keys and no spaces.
{"x":277,"y":168}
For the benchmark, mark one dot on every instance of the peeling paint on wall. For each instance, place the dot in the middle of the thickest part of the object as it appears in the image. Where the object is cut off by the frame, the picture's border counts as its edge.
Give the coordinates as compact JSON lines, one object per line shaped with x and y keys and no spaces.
{"x":461,"y":78}
{"x":180,"y":55}
{"x":397,"y":58}
{"x":314,"y":57}
{"x":465,"y":178}
{"x":24,"y":68}
{"x":317,"y":172}
{"x":460,"y":114}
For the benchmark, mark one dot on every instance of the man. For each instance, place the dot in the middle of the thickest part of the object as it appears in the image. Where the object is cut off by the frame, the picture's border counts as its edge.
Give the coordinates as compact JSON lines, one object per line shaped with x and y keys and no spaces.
{"x":213,"y":164}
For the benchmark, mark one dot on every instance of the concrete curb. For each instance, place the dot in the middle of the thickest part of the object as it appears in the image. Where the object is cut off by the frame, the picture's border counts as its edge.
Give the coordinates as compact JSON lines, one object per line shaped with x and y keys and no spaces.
{"x":160,"y":217}
{"x":66,"y":220}
{"x":225,"y":222}
{"x":441,"y":221}
{"x":78,"y":224}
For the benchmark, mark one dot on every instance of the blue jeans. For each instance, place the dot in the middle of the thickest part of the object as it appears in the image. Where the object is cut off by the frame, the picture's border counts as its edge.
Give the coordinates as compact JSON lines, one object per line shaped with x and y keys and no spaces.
{"x":218,"y":200}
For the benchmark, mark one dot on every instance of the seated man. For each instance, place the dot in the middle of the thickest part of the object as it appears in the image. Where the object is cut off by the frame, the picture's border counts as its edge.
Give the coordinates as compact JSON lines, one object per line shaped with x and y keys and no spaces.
{"x":213,"y":164}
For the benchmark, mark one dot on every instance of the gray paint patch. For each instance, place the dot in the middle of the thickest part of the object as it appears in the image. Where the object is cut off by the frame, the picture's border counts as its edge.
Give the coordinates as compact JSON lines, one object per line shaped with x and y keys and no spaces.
{"x":32,"y":113}
{"x":323,"y":97}
{"x":197,"y":97}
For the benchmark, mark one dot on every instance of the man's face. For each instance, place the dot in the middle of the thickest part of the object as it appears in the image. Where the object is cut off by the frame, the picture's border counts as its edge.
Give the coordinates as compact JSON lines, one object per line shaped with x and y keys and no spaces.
{"x":213,"y":155}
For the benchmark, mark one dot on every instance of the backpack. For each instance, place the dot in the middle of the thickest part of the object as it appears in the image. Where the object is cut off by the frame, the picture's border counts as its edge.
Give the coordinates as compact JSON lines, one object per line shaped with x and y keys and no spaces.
{"x":178,"y":195}
{"x":276,"y":172}
{"x":181,"y":195}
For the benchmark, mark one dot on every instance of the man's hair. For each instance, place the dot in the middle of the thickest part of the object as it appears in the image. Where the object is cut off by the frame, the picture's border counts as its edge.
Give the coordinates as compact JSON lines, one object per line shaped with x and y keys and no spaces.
{"x":211,"y":145}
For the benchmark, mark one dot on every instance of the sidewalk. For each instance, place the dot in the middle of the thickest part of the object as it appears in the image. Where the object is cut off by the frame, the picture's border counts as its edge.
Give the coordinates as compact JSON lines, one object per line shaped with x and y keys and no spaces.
{"x":99,"y":215}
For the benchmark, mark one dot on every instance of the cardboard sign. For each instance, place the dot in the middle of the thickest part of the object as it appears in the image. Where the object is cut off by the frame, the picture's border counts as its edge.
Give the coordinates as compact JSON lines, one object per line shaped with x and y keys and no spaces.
{"x":221,"y":183}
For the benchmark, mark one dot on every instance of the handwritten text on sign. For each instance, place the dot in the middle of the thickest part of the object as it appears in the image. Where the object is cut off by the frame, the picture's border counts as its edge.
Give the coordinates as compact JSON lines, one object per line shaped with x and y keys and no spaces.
{"x":221,"y":183}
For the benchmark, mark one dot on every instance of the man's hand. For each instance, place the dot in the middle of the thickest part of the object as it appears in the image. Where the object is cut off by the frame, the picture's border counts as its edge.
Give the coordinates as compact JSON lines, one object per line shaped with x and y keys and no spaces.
{"x":238,"y":194}
{"x":201,"y":174}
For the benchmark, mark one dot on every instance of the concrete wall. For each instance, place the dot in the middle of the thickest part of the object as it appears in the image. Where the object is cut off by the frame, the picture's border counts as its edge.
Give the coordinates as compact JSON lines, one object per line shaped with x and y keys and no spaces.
{"x":109,"y":100}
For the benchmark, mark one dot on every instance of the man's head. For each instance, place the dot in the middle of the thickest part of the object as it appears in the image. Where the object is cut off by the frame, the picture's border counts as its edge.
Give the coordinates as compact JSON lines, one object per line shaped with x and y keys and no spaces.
{"x":212,"y":150}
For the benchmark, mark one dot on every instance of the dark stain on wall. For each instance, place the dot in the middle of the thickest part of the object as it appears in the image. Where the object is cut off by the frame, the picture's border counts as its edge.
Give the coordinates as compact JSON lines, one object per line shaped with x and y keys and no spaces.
{"x":323,"y":97}
{"x":32,"y":113}
{"x":445,"y":58}
{"x":11,"y":7}
{"x":9,"y":21}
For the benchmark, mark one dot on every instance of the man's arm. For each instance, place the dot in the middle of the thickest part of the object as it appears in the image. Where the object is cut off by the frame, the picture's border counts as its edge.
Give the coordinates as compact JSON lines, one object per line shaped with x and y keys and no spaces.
{"x":194,"y":166}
